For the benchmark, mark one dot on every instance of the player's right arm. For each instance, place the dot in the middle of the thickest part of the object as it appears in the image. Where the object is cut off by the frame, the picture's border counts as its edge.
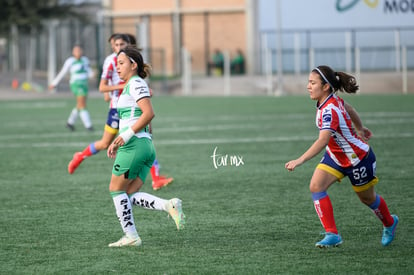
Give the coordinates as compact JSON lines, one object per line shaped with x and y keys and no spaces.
{"x":105,"y":88}
{"x":61,"y":74}
{"x":108,"y":69}
{"x":316,"y":148}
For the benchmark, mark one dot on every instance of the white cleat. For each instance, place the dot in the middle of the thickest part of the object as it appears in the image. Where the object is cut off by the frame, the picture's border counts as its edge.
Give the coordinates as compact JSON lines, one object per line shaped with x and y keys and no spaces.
{"x":174,"y":209}
{"x":127,"y":241}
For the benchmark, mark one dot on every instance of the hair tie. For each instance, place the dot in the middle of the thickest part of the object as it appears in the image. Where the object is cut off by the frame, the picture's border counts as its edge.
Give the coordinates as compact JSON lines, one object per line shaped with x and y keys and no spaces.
{"x":337,"y":76}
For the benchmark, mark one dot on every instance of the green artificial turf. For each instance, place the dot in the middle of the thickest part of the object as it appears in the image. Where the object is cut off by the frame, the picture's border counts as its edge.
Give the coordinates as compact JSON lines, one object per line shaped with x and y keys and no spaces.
{"x":244,"y":216}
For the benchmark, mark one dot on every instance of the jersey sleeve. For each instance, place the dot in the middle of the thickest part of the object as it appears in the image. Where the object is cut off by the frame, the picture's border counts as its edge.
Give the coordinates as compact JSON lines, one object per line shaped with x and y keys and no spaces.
{"x":87,"y":67}
{"x":139,"y":89}
{"x":329,"y":119}
{"x":107,"y":68}
{"x":63,"y":71}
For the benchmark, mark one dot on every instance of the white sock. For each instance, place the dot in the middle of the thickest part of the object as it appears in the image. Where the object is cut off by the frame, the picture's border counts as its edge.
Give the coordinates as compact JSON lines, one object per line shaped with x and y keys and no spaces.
{"x":148,"y":201}
{"x":86,"y":119}
{"x":124,"y":212}
{"x":73,"y":116}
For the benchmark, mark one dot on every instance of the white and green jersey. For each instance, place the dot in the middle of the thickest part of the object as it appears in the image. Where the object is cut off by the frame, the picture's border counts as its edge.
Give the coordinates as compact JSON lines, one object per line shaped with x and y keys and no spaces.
{"x":128,"y":109}
{"x":79,"y":70}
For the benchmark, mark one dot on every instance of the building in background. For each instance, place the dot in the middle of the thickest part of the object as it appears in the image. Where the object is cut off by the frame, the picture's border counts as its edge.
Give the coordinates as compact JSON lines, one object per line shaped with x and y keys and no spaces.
{"x":342,"y":33}
{"x":347,"y":34}
{"x":167,"y":26}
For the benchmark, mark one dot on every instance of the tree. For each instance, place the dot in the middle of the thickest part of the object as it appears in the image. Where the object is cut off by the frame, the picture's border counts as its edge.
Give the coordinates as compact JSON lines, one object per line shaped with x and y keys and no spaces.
{"x":26,"y":14}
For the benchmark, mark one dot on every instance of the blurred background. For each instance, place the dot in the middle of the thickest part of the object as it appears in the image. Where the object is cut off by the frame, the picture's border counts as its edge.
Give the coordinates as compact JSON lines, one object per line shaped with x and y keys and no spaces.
{"x":218,"y":46}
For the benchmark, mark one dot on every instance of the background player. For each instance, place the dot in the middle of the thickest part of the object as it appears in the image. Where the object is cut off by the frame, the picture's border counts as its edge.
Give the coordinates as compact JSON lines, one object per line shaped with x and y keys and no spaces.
{"x":80,"y":72}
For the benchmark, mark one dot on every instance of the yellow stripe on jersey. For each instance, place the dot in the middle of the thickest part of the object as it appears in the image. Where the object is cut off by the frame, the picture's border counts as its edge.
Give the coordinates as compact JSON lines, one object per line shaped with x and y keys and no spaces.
{"x":330,"y":170}
{"x":365,"y":186}
{"x":110,"y":130}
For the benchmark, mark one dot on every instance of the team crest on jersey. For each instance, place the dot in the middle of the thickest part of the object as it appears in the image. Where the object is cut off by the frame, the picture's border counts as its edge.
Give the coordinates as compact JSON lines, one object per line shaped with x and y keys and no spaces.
{"x":114,"y":124}
{"x":326,"y":116}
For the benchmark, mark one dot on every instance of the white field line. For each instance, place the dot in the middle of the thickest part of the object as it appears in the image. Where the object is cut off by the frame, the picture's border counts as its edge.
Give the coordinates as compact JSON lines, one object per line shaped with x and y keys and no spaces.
{"x":212,"y":141}
{"x":61,"y":104}
{"x":260,"y":126}
{"x":368,"y":118}
{"x":188,"y":129}
{"x":176,"y":120}
{"x":35,"y":105}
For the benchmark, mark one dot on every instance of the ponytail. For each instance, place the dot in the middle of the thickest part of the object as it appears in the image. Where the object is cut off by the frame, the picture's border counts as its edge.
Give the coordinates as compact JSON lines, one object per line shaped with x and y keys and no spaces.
{"x":134,"y":54}
{"x":337,"y":80}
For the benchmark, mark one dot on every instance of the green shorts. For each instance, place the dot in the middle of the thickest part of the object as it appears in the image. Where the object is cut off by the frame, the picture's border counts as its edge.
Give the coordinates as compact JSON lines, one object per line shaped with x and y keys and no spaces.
{"x":79,"y":88}
{"x":134,"y":159}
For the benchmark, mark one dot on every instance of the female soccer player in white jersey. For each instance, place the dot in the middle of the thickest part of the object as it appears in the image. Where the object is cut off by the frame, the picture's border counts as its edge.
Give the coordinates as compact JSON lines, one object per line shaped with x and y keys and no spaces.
{"x":80,"y":72}
{"x":347,"y":154}
{"x":133,"y":150}
{"x":111,"y":85}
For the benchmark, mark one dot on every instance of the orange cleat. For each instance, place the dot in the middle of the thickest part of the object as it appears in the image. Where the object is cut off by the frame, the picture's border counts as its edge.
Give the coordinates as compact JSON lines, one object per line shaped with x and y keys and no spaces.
{"x":160,"y":182}
{"x":75,"y":162}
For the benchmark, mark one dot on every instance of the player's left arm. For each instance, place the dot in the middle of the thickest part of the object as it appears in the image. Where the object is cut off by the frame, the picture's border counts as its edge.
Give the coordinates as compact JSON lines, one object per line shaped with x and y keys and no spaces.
{"x":91,"y":74}
{"x":150,"y":124}
{"x":142,"y":95}
{"x":147,"y":115}
{"x":363,"y":131}
{"x":140,"y":92}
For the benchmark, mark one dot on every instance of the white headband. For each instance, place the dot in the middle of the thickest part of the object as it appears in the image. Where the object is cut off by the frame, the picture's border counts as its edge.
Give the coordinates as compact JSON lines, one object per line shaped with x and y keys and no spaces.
{"x":324,"y":78}
{"x":130,"y":58}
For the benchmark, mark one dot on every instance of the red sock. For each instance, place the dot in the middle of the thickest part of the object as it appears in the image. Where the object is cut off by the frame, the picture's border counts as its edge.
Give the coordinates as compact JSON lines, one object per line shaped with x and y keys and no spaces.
{"x":324,"y":209}
{"x":382,"y":212}
{"x":87,"y":152}
{"x":154,"y":172}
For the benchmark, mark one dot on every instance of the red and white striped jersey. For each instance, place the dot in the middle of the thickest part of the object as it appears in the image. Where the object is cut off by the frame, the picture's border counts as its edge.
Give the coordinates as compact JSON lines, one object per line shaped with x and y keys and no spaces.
{"x":109,"y":73}
{"x":344,"y":147}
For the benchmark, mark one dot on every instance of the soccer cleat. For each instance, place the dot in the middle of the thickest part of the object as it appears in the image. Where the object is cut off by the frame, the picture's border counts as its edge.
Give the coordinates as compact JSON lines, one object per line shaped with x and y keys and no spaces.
{"x":75,"y":162}
{"x":174,"y":209}
{"x":330,"y":240}
{"x":90,"y":129}
{"x":388,"y":233}
{"x":127,"y":241}
{"x":70,"y":127}
{"x":160,"y":182}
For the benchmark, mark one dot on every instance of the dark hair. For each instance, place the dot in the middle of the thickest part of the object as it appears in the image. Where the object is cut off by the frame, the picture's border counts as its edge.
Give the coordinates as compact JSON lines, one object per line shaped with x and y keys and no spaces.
{"x":143,"y":69}
{"x":122,"y":36}
{"x":112,"y":37}
{"x":337,"y":80}
{"x":132,"y":39}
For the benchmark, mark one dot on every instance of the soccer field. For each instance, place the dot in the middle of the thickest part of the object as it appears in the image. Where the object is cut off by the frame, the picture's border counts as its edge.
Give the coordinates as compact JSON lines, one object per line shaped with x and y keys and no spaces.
{"x":246,"y":215}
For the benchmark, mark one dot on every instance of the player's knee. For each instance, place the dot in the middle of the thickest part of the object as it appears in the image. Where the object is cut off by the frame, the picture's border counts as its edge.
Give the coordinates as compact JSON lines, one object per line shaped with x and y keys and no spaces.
{"x":367,"y":200}
{"x":313,"y":187}
{"x":367,"y":197}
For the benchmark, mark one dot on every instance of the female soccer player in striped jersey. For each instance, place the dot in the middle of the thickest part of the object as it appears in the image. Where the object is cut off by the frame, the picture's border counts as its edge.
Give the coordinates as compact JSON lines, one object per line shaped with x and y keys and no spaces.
{"x":347,"y":154}
{"x":80,"y":72}
{"x":111,"y":85}
{"x":134,"y":151}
